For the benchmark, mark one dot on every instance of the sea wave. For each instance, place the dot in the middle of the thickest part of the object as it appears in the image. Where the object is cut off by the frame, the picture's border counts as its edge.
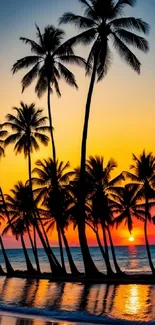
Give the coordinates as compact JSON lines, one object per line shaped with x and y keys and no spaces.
{"x":73,"y":316}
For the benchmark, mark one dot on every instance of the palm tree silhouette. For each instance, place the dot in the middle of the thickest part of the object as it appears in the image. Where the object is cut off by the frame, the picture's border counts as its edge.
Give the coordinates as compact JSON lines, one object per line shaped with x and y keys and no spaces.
{"x":20,"y":207}
{"x":103,"y":22}
{"x":125,"y":205}
{"x":100,"y":177}
{"x":144,"y":175}
{"x":56,"y":202}
{"x":29,"y":127}
{"x":47,"y":62}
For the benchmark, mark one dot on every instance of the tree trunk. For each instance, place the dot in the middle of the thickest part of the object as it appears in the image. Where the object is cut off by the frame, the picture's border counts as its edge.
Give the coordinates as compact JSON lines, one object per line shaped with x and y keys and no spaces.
{"x":35,"y":249}
{"x":146,"y":237}
{"x":51,"y":124}
{"x":53,"y":265}
{"x":61,"y":249}
{"x":102,"y":250}
{"x":29,"y":265}
{"x":90,"y":268}
{"x":9,"y":268}
{"x":148,"y":247}
{"x":48,"y":244}
{"x":72,"y":265}
{"x":109,"y":268}
{"x":118,"y":270}
{"x":1,"y":271}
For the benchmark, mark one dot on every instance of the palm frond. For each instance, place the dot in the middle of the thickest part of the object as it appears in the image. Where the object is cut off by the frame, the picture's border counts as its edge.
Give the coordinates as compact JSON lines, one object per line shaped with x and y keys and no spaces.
{"x":133,"y":39}
{"x":126,"y":54}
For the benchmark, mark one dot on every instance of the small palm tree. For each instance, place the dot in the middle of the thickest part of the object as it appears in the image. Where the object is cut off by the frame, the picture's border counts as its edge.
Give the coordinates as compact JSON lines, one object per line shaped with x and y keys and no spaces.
{"x":48,"y":65}
{"x":102,"y":22}
{"x":20,"y":207}
{"x":28,"y":126}
{"x":144,"y":175}
{"x":55,"y":201}
{"x":125,"y":205}
{"x":100,"y":177}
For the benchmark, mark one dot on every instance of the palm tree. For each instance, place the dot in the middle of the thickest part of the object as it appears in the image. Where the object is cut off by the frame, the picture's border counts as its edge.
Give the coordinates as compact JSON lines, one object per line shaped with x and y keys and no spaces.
{"x":100,"y":178}
{"x":28,"y":126}
{"x":56,"y":202}
{"x":47,"y":65}
{"x":125,"y":205}
{"x":20,"y":207}
{"x":144,"y":175}
{"x":103,"y":21}
{"x":18,"y":229}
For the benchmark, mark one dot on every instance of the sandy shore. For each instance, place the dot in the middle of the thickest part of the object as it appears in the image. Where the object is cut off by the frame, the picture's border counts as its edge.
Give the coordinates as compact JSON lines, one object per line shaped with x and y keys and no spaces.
{"x":16,"y":319}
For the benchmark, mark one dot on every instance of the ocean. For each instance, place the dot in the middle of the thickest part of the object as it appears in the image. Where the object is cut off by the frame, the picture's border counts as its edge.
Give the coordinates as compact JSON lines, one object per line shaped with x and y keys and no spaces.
{"x":76,"y":302}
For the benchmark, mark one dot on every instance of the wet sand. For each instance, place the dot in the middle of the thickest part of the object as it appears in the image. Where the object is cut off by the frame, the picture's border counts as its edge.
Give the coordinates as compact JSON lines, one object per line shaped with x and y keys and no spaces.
{"x":16,"y":319}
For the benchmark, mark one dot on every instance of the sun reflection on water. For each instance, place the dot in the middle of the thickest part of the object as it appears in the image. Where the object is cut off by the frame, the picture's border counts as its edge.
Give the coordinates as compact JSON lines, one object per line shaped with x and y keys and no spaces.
{"x":127,"y":302}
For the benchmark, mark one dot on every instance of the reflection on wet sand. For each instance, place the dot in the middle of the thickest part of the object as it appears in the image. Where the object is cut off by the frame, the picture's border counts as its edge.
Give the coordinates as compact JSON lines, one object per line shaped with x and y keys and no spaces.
{"x":5,"y":320}
{"x":129,"y":302}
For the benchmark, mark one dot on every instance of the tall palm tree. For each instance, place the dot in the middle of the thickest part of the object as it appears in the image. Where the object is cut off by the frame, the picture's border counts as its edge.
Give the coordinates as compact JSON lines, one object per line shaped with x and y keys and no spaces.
{"x":29,"y":126}
{"x":56,"y":202}
{"x":48,"y":65}
{"x":144,"y":175}
{"x":100,"y":177}
{"x":103,"y":21}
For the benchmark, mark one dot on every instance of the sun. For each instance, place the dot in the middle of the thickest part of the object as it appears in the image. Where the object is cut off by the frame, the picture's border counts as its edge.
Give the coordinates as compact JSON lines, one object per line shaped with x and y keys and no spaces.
{"x":131,"y":238}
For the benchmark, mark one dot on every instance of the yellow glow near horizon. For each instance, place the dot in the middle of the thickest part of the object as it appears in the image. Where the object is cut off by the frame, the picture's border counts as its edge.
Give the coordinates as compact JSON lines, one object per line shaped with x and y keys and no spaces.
{"x":131,"y":238}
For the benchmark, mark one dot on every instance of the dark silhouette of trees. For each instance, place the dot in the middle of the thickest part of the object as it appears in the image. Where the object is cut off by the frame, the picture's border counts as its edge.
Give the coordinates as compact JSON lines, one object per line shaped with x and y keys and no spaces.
{"x":144,"y":174}
{"x":48,"y":64}
{"x":102,"y":22}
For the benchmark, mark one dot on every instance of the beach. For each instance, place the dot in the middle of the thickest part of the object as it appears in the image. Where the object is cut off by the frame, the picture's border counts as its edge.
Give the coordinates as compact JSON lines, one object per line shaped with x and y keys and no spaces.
{"x":46,"y":300}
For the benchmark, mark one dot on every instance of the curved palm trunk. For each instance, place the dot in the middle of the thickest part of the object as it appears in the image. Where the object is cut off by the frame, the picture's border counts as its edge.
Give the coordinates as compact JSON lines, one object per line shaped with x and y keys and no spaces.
{"x":1,"y":271}
{"x":51,"y":124}
{"x":102,"y":251}
{"x":29,"y":265}
{"x":118,"y":270}
{"x":72,"y":265}
{"x":146,"y":237}
{"x":34,"y":251}
{"x":148,"y":247}
{"x":54,"y":267}
{"x":90,"y":268}
{"x":61,"y":250}
{"x":54,"y":159}
{"x":109,"y":268}
{"x":9,"y":267}
{"x":48,"y":244}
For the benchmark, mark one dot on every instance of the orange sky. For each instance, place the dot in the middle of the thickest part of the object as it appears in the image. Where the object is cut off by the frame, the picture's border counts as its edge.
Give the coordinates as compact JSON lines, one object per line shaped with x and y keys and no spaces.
{"x":122,"y":113}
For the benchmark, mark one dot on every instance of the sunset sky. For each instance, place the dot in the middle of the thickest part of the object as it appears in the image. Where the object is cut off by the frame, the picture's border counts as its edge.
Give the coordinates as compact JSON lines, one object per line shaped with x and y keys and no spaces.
{"x":123,"y":107}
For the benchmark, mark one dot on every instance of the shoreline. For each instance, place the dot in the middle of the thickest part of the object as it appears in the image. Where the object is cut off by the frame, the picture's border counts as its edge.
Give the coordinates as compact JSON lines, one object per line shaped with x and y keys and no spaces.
{"x":116,"y":279}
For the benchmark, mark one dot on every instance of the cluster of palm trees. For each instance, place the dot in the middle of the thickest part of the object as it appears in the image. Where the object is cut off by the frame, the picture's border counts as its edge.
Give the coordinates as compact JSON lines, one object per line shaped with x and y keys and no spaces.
{"x":54,"y":195}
